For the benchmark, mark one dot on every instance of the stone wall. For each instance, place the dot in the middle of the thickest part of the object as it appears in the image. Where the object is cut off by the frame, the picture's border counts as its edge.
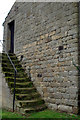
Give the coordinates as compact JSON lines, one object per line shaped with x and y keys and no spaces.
{"x":0,"y":87}
{"x":6,"y":99}
{"x":46,"y":34}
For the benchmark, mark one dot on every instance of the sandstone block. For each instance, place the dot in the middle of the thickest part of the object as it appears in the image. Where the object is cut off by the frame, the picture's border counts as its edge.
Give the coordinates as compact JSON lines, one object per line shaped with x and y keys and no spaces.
{"x":65,"y":108}
{"x":53,"y":106}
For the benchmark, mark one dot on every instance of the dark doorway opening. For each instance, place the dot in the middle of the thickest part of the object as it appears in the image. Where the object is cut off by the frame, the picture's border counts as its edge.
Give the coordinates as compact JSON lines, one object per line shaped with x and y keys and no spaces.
{"x":11,"y":28}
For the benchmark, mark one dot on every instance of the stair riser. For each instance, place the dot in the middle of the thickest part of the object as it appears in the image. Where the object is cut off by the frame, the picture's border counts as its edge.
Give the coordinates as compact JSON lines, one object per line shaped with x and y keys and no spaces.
{"x":10,"y":54}
{"x":21,"y":86}
{"x":36,"y":110}
{"x":9,"y":65}
{"x":6,"y":64}
{"x":11,"y":74}
{"x":24,"y":91}
{"x":28,"y":97}
{"x":31,"y":104}
{"x":7,"y":61}
{"x":12,"y":70}
{"x":12,"y":80}
{"x":6,"y":69}
{"x":11,"y":57}
{"x":5,"y":58}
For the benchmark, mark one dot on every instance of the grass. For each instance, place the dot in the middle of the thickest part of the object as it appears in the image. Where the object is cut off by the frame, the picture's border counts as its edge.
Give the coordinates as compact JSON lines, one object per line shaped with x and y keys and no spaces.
{"x":51,"y":114}
{"x":43,"y":114}
{"x":8,"y":114}
{"x":0,"y":113}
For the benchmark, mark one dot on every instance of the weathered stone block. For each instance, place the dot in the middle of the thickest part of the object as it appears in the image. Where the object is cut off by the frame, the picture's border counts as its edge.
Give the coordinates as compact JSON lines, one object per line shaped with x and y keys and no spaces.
{"x":53,"y":106}
{"x":65,"y":108}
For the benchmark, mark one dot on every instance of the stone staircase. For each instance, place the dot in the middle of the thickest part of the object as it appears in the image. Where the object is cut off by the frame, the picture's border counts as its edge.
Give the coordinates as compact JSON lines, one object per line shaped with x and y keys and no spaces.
{"x":27,"y":97}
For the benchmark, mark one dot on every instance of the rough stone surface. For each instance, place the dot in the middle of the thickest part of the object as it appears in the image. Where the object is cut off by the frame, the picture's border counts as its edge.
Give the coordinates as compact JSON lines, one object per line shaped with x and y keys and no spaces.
{"x":53,"y":106}
{"x":7,"y":98}
{"x":65,"y":108}
{"x":46,"y":34}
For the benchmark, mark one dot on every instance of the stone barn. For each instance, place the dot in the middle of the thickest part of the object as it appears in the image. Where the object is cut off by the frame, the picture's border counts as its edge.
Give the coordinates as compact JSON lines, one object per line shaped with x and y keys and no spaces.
{"x":45,"y":39}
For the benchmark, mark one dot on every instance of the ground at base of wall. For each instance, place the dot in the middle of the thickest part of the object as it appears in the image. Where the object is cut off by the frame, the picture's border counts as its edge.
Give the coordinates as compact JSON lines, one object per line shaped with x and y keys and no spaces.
{"x":43,"y":114}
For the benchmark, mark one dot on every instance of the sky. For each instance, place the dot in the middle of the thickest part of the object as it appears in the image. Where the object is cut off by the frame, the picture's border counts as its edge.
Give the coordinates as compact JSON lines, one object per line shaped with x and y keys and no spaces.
{"x":5,"y":6}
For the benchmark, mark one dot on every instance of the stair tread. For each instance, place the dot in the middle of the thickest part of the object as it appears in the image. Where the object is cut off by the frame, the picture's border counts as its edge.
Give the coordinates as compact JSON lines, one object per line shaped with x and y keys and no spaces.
{"x":19,"y":72}
{"x":26,"y":88}
{"x":3,"y":59}
{"x":35,"y":108}
{"x":14,"y":56}
{"x":10,"y":64}
{"x":11,"y":72}
{"x":13,"y":68}
{"x":11,"y":54}
{"x":35,"y":93}
{"x":21,"y":78}
{"x":29,"y":101}
{"x":24,"y":83}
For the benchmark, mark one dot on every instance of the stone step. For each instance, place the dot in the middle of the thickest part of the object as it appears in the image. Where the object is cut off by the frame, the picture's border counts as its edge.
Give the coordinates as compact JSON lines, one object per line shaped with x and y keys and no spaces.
{"x":9,"y":64}
{"x":10,"y":54}
{"x":23,"y":84}
{"x":24,"y":90}
{"x":35,"y":109}
{"x":0,"y":54}
{"x":7,"y":60}
{"x":6,"y":64}
{"x":12,"y":69}
{"x":28,"y":96}
{"x":29,"y":103}
{"x":19,"y":75}
{"x":12,"y":57}
{"x":21,"y":79}
{"x":9,"y":79}
{"x":11,"y":74}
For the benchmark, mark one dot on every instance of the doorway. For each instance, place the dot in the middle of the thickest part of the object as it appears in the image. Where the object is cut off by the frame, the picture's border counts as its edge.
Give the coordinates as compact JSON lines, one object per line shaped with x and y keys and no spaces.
{"x":11,"y":29}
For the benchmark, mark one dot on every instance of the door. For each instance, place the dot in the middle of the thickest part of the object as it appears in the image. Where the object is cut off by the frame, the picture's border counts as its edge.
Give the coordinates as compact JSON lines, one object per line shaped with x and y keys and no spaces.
{"x":11,"y":27}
